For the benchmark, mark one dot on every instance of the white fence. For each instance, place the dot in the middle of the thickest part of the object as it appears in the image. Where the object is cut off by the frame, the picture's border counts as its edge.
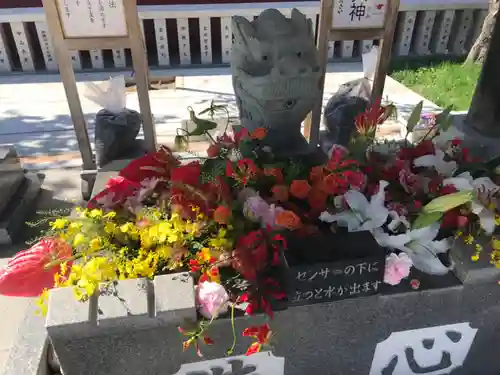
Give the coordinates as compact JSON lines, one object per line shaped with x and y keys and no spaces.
{"x":194,"y":35}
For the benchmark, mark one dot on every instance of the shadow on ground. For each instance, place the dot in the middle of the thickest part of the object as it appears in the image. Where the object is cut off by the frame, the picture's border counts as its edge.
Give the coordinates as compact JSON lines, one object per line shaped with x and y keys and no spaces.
{"x":57,"y":198}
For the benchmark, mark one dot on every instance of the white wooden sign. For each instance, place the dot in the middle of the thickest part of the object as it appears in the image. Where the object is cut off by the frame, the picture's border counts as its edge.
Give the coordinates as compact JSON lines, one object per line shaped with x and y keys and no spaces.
{"x":264,"y":363}
{"x":433,"y":351}
{"x":92,"y":18}
{"x":358,"y":14}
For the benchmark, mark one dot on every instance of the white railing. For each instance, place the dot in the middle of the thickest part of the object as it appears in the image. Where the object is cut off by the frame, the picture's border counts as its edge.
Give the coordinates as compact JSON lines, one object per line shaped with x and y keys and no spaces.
{"x":194,"y":35}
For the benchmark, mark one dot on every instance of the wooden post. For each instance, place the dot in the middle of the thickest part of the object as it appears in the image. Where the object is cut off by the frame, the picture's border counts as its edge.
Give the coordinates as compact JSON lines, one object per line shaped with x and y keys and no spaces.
{"x":89,"y":32}
{"x":325,"y":22}
{"x":140,"y":62}
{"x":69,"y":81}
{"x":335,"y":26}
{"x":384,"y":52}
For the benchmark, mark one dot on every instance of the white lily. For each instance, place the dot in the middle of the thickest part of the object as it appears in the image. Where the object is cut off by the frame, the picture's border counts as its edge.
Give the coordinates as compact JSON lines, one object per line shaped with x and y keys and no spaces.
{"x":363,"y":214}
{"x":420,"y":246}
{"x":479,"y":186}
{"x":443,"y":167}
{"x":396,"y":221}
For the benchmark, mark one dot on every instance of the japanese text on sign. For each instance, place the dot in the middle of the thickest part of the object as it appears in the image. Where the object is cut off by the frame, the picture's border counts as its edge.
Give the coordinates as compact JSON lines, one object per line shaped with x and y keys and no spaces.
{"x":358,"y":14}
{"x":92,"y":18}
{"x":336,"y":281}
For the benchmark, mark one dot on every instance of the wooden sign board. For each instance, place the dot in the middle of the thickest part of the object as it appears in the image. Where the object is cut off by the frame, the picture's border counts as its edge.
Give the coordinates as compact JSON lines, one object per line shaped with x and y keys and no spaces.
{"x":92,"y":18}
{"x":358,"y":14}
{"x":353,"y":20}
{"x":98,"y":24}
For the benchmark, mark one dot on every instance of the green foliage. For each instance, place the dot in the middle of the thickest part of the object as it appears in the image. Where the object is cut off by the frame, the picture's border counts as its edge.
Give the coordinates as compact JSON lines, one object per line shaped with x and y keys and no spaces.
{"x":425,"y":219}
{"x":448,"y":202}
{"x":415,"y":116}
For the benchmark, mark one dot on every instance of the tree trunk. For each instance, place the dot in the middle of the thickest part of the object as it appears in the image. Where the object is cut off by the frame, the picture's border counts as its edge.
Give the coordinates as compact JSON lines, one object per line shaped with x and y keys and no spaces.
{"x":478,"y":51}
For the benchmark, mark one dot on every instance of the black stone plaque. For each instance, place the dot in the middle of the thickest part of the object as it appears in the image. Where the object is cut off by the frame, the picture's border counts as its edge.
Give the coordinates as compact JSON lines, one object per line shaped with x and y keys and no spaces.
{"x":333,"y":266}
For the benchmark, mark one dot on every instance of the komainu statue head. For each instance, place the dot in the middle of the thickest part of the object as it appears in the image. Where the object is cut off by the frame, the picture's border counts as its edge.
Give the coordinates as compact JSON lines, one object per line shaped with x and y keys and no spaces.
{"x":275,"y":71}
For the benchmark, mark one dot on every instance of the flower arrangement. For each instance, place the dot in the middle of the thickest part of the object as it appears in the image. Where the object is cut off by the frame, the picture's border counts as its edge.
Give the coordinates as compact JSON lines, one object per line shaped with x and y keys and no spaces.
{"x":226,"y":218}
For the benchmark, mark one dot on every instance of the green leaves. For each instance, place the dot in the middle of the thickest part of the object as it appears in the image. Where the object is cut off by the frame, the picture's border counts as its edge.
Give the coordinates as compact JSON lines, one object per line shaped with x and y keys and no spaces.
{"x":444,"y":120}
{"x":425,"y":219}
{"x":415,"y":116}
{"x":202,"y":125}
{"x":448,"y":202}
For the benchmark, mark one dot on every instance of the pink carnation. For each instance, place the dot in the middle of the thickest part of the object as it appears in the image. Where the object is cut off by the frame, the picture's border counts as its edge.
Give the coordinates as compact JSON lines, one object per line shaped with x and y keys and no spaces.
{"x":211,"y":299}
{"x":397,"y":267}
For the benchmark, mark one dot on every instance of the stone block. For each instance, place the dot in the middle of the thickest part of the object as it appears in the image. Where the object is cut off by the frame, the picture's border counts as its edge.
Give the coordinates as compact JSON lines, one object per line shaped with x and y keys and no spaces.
{"x":131,"y":317}
{"x":21,"y":205}
{"x":28,"y":355}
{"x":9,"y":185}
{"x":9,"y":160}
{"x":473,"y":272}
{"x":174,"y":297}
{"x":67,"y":317}
{"x":124,"y":305}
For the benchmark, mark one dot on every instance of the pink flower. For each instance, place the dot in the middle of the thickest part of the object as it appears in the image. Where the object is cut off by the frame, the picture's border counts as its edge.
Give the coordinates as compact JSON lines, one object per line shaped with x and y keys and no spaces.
{"x":255,"y":208}
{"x":211,"y":299}
{"x":397,"y":267}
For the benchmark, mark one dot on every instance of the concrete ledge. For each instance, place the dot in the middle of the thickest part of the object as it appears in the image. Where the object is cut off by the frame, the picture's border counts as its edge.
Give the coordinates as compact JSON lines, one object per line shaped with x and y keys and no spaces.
{"x":28,"y":355}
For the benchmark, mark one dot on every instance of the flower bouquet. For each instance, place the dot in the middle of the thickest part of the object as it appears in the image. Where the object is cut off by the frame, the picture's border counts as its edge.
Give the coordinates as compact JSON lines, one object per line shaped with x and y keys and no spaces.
{"x":227,"y":218}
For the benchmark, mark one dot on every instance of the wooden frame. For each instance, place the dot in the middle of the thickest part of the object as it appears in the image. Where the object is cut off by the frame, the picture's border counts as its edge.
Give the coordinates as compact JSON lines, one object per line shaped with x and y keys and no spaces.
{"x":133,"y":40}
{"x":326,"y":33}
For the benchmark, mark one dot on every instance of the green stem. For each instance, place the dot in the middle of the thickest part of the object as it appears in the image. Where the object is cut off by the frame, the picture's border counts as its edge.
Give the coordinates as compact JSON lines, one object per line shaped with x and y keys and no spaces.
{"x":57,"y":262}
{"x":230,"y":351}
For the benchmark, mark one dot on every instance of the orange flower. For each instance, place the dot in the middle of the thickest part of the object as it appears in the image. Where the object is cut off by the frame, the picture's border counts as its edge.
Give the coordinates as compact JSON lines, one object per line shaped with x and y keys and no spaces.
{"x":258,"y":134}
{"x":300,"y":188}
{"x":222,"y":215}
{"x":316,"y":174}
{"x":331,"y":184}
{"x":263,"y":334}
{"x":317,"y":198}
{"x":274,"y":172}
{"x":288,"y":220}
{"x":280,"y":192}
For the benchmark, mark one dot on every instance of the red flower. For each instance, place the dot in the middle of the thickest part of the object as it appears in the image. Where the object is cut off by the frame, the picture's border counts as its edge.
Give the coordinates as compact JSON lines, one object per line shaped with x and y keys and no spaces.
{"x":25,"y":275}
{"x":222,"y":215}
{"x":156,"y":164}
{"x":118,"y":189}
{"x":300,"y":188}
{"x":262,"y":334}
{"x":317,"y":199}
{"x":213,"y":150}
{"x":316,"y":174}
{"x":447,"y":189}
{"x":187,"y":174}
{"x":258,"y":298}
{"x":251,"y":254}
{"x":280,"y":193}
{"x":244,"y":170}
{"x":239,"y":135}
{"x":274,"y":172}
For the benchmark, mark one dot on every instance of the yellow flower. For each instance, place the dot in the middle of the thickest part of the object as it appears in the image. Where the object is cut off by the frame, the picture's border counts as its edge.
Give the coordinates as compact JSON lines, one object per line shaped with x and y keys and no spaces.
{"x":469,"y":239}
{"x":95,"y":244}
{"x":59,"y":224}
{"x":95,"y":213}
{"x":495,"y":243}
{"x":110,"y":215}
{"x":110,"y":227}
{"x":474,"y":258}
{"x":79,"y":239}
{"x":42,"y":303}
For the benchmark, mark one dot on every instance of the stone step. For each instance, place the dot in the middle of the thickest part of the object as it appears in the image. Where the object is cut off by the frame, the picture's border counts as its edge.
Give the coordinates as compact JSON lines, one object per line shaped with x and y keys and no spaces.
{"x":10,"y":182}
{"x":17,"y":211}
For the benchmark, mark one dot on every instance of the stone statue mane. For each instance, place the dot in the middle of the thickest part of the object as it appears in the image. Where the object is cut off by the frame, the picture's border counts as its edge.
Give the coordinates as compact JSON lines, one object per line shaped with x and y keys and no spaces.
{"x":275,"y":72}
